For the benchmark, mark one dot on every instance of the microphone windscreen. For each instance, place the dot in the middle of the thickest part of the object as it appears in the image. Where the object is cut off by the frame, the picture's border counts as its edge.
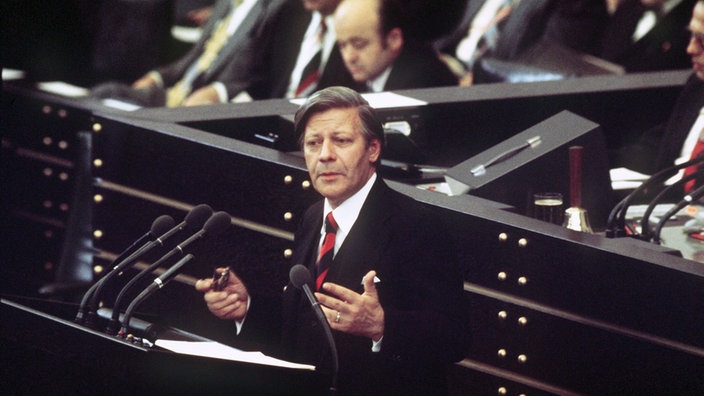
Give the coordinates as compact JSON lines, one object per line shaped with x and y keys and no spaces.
{"x":161,"y":225}
{"x":217,"y":223}
{"x":300,"y":276}
{"x":198,"y":216}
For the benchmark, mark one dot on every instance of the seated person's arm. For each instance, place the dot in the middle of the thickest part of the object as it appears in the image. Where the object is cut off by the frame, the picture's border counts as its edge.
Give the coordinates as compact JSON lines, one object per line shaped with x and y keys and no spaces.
{"x":149,"y":80}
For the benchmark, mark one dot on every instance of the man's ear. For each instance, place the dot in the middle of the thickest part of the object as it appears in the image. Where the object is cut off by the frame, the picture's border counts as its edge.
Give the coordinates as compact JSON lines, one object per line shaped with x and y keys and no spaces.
{"x":394,"y":39}
{"x":374,"y":150}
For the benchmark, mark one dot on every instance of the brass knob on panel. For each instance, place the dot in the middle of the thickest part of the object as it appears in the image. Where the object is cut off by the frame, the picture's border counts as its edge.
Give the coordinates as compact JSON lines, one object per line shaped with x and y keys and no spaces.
{"x":503,"y":315}
{"x":47,"y":140}
{"x":502,"y":391}
{"x":63,"y":176}
{"x":97,"y":127}
{"x":522,"y":358}
{"x":522,"y":242}
{"x":62,"y":113}
{"x":501,"y":353}
{"x":502,"y":276}
{"x":98,"y":269}
{"x":63,"y":145}
{"x":288,"y":253}
{"x":97,"y":162}
{"x":97,"y":198}
{"x":522,"y":281}
{"x":288,"y":216}
{"x":305,"y":184}
{"x":503,"y":237}
{"x":288,"y":179}
{"x":522,"y":321}
{"x":97,"y":234}
{"x":46,"y":109}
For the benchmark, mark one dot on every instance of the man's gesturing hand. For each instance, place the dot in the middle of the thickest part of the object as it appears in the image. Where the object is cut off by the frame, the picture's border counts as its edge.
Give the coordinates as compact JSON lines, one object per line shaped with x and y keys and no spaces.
{"x":359,"y":314}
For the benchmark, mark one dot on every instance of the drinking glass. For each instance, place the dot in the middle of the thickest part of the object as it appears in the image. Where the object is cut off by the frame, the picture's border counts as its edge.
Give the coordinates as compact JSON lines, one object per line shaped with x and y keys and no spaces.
{"x":547,"y":206}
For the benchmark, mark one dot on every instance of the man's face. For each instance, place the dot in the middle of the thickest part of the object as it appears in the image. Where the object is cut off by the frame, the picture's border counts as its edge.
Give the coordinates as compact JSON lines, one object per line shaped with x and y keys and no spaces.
{"x":337,"y":156}
{"x":695,"y":49}
{"x":325,"y":7}
{"x":365,"y":51}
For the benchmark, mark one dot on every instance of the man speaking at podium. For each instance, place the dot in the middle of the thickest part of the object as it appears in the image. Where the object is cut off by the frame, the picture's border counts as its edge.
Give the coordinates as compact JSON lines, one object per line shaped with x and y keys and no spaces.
{"x":383,"y":269}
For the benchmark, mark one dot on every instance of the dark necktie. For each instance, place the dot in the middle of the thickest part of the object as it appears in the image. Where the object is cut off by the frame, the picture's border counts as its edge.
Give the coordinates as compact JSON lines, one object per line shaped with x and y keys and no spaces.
{"x":311,"y":73}
{"x":697,"y":151}
{"x":327,"y":251}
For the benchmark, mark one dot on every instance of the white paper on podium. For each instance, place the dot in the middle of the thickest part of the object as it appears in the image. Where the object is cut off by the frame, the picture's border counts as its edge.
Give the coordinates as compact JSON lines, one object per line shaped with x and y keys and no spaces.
{"x":216,"y":350}
{"x":624,"y":178}
{"x":381,"y":100}
{"x":63,"y":89}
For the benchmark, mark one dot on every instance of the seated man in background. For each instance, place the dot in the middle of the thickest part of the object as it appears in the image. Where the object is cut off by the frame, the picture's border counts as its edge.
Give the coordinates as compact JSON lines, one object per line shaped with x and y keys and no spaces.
{"x":676,"y":140}
{"x":380,"y":55}
{"x":215,"y":70}
{"x":649,"y":35}
{"x":507,"y":29}
{"x":385,"y":273}
{"x":300,"y":55}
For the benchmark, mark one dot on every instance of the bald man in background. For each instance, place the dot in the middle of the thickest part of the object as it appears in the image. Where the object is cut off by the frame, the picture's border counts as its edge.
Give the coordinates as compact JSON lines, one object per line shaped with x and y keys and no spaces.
{"x":378,"y":52}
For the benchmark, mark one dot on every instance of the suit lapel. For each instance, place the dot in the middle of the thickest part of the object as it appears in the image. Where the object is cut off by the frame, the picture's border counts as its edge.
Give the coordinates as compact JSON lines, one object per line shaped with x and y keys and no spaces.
{"x":364,"y":242}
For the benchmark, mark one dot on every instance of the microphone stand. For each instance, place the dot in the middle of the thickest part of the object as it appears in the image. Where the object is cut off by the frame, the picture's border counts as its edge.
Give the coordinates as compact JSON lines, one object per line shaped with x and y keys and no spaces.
{"x":645,"y":220}
{"x":301,"y":278}
{"x":688,"y":199}
{"x":157,"y":284}
{"x":616,"y":224}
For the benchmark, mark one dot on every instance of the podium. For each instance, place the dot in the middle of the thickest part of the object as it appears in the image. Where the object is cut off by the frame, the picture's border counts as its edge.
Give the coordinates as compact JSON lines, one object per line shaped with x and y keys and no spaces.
{"x":44,"y":352}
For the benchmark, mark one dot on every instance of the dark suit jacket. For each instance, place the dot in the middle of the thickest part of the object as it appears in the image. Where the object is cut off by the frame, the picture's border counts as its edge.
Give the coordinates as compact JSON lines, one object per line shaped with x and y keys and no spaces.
{"x":576,"y":24}
{"x":661,"y":145}
{"x":418,"y":66}
{"x":664,"y":47}
{"x":285,"y":33}
{"x":235,"y":65}
{"x":420,"y":290}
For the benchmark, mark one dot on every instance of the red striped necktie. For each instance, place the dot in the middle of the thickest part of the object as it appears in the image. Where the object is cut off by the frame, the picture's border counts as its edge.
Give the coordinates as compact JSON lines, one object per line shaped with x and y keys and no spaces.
{"x":697,"y":151}
{"x":311,"y":73}
{"x":327,"y":251}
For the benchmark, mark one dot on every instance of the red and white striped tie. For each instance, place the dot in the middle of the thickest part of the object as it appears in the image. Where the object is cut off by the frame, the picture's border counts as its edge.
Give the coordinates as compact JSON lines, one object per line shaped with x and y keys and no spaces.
{"x":327,"y":251}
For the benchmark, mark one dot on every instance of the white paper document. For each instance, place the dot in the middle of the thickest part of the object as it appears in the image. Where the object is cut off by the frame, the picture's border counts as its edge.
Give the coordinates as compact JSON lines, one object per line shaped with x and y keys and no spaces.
{"x":63,"y":89}
{"x":625,"y":179}
{"x":216,"y":350}
{"x":381,"y":100}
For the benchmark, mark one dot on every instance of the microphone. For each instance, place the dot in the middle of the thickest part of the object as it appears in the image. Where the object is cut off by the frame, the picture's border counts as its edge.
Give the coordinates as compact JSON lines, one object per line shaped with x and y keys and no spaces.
{"x":688,"y":199}
{"x":194,"y":219}
{"x":645,"y":220}
{"x":616,"y":223}
{"x":216,"y":224}
{"x":301,"y":279}
{"x":160,"y":225}
{"x":157,"y":284}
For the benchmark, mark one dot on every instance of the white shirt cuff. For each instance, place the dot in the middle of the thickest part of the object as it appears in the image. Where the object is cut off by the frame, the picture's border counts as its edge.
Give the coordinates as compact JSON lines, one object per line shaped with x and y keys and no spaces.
{"x":376,"y":345}
{"x":156,"y":76}
{"x":221,"y":90}
{"x":239,"y":323}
